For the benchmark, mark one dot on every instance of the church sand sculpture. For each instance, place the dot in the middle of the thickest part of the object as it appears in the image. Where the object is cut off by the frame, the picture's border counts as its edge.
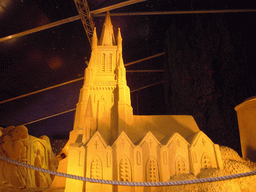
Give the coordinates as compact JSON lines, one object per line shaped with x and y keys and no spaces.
{"x":108,"y":142}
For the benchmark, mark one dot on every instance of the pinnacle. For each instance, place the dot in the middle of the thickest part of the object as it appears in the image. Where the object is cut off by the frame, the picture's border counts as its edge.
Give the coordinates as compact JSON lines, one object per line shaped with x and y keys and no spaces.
{"x":107,"y":35}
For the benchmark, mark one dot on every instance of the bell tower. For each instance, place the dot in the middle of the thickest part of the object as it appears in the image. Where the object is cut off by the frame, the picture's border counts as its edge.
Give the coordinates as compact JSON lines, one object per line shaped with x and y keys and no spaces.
{"x":104,"y":102}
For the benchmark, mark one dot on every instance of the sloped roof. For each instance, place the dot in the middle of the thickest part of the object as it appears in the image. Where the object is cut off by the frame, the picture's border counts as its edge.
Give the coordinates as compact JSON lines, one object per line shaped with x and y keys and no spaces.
{"x":162,"y":126}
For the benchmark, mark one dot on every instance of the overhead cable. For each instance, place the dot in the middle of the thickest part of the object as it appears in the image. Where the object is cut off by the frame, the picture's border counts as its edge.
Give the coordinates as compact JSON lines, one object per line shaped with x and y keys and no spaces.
{"x":81,"y":78}
{"x":48,"y":117}
{"x":140,"y":60}
{"x":41,"y":90}
{"x":147,"y":86}
{"x":144,"y":71}
{"x":178,"y":12}
{"x":74,"y":18}
{"x":64,"y":112}
{"x":70,"y":19}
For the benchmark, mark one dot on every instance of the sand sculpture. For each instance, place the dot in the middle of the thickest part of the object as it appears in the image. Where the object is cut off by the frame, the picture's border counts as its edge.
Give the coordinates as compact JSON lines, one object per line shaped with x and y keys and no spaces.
{"x":109,"y":142}
{"x":17,"y":144}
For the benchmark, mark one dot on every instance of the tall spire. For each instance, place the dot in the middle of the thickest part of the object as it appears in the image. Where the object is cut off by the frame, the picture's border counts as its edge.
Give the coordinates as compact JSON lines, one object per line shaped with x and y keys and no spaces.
{"x":88,"y":112}
{"x":119,"y":41}
{"x":94,"y":39}
{"x":107,"y":36}
{"x":104,"y":103}
{"x":89,"y":129}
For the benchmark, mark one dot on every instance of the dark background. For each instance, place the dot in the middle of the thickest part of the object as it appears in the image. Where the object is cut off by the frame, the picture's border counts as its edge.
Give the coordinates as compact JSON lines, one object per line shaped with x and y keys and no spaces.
{"x":209,"y":62}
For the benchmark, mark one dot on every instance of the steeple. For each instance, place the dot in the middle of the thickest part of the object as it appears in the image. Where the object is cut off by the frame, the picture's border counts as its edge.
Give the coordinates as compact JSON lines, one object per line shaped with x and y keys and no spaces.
{"x":107,"y":36}
{"x":121,"y":72}
{"x":89,"y":129}
{"x":88,"y":112}
{"x":104,"y":103}
{"x":94,"y":39}
{"x":119,"y":41}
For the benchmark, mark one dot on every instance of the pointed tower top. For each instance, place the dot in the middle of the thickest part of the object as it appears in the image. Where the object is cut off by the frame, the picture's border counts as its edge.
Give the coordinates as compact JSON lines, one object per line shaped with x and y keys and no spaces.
{"x":88,"y":112}
{"x":119,"y":34}
{"x":94,"y":39}
{"x":119,"y":40}
{"x":107,"y":36}
{"x":107,"y":19}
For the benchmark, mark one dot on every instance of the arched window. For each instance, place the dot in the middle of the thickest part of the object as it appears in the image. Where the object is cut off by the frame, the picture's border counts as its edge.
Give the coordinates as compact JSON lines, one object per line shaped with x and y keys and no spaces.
{"x":125,"y":170}
{"x":206,"y":162}
{"x":103,"y":66}
{"x":180,"y":165}
{"x":152,"y":170}
{"x":110,"y":62}
{"x":96,"y":168}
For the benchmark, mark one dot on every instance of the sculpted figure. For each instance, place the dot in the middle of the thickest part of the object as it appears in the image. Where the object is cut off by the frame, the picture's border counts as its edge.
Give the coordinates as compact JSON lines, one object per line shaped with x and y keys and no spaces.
{"x":5,"y":137}
{"x":52,"y":160}
{"x":39,"y":176}
{"x":15,"y":147}
{"x":16,"y":144}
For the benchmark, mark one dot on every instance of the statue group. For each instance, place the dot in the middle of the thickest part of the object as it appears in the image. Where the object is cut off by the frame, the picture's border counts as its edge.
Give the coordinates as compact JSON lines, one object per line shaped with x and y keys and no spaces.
{"x":18,"y":145}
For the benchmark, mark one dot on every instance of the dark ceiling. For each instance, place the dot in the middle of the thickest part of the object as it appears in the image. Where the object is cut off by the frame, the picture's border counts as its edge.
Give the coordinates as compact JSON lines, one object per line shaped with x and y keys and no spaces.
{"x":53,"y":56}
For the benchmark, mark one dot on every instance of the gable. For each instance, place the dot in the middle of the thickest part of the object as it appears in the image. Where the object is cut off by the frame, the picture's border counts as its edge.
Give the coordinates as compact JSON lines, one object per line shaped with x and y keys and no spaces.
{"x":97,"y":140}
{"x":150,"y":139}
{"x":176,"y":138}
{"x":123,"y":139}
{"x":200,"y":138}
